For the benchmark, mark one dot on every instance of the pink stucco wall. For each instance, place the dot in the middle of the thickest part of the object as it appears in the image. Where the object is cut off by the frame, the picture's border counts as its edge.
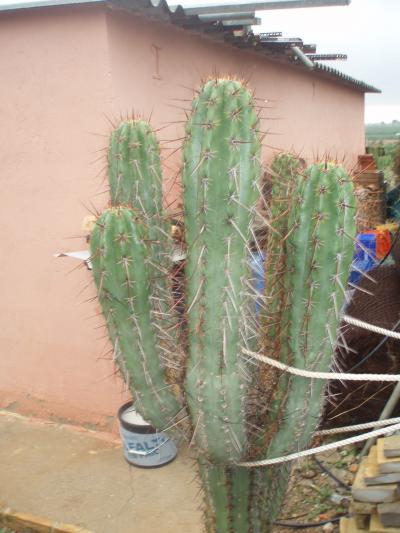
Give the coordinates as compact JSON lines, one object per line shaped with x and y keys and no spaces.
{"x":66,"y":72}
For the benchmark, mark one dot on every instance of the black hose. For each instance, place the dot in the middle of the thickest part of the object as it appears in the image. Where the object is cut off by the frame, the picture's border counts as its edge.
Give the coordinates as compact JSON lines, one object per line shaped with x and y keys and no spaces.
{"x":331,"y":474}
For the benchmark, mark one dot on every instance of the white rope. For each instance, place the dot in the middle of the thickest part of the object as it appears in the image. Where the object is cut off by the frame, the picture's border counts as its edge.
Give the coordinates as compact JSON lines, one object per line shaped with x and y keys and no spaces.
{"x":321,"y":375}
{"x":320,"y":449}
{"x":357,"y":427}
{"x":371,"y":327}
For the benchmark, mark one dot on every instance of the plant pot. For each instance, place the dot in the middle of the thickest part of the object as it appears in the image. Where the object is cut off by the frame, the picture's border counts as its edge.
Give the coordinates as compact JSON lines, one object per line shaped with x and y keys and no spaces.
{"x":144,"y":446}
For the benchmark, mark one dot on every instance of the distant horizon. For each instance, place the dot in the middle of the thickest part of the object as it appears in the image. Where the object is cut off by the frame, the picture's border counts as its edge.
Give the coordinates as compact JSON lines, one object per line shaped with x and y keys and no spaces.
{"x":394,"y":121}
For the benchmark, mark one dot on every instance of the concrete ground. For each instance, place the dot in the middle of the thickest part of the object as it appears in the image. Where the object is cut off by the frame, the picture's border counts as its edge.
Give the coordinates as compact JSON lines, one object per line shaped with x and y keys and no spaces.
{"x":75,"y":477}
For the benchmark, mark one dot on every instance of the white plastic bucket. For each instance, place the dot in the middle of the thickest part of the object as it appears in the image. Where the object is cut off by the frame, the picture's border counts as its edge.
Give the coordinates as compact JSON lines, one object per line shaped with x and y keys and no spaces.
{"x":144,"y":446}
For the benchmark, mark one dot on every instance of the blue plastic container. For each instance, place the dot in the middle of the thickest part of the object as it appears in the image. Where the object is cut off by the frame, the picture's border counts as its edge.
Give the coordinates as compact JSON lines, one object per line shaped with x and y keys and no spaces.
{"x":364,"y":256}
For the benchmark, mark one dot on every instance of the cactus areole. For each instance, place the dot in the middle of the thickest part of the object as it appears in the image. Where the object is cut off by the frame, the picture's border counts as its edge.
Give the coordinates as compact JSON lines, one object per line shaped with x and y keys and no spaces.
{"x":200,"y":384}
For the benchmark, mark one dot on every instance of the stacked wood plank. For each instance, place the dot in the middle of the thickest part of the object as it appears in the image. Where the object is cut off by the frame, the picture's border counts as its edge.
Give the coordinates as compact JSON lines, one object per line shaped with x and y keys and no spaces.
{"x":375,"y":505}
{"x":35,"y":524}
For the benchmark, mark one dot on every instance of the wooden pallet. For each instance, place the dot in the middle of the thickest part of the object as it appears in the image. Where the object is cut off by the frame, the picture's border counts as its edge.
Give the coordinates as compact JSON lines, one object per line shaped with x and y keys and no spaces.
{"x":375,"y":505}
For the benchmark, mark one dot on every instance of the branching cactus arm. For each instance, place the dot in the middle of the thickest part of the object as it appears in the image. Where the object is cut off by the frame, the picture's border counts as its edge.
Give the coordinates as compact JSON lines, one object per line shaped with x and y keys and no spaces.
{"x":319,"y":254}
{"x":125,"y":283}
{"x":131,"y":256}
{"x":134,"y":168}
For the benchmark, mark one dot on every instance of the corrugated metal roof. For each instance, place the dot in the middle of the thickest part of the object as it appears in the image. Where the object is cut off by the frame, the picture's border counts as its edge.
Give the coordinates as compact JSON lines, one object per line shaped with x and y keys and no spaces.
{"x":344,"y":78}
{"x":44,"y":3}
{"x":232,"y":27}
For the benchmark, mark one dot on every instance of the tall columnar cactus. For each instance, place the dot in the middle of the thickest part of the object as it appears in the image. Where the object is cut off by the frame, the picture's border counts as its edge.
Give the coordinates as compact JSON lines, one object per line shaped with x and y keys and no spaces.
{"x":316,"y":255}
{"x":220,"y":175}
{"x":319,"y":252}
{"x":238,"y":409}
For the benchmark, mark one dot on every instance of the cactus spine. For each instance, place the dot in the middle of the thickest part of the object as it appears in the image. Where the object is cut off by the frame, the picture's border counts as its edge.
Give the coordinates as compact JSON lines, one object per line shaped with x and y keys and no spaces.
{"x":236,"y":411}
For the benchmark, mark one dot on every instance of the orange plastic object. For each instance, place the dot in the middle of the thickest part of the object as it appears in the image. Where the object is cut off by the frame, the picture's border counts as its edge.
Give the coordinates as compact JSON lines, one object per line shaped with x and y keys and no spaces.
{"x":383,"y":241}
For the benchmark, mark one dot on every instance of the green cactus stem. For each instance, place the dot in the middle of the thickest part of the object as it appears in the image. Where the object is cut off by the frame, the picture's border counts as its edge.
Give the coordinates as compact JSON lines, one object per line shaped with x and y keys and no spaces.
{"x":319,"y":251}
{"x":282,"y":179}
{"x":220,"y":174}
{"x":134,"y":168}
{"x":135,"y":178}
{"x":238,"y":499}
{"x":129,"y":276}
{"x":227,"y":492}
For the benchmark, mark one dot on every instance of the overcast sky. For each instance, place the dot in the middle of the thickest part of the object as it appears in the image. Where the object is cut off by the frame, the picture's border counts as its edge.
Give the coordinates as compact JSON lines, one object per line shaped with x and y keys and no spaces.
{"x":368,"y":31}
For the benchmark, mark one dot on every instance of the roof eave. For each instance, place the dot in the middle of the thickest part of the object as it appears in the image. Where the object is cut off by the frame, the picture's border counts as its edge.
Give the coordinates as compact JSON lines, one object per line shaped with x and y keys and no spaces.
{"x":336,"y":75}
